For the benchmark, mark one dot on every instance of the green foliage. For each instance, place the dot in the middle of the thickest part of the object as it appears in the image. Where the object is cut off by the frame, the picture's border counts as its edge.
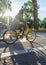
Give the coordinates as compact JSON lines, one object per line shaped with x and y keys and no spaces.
{"x":39,"y":21}
{"x":41,"y":30}
{"x":44,"y":21}
{"x":28,"y":10}
{"x":3,"y":20}
{"x":5,"y":4}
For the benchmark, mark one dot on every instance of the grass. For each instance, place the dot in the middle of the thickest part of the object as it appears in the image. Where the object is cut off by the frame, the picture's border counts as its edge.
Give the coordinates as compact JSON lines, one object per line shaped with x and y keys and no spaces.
{"x":41,"y":29}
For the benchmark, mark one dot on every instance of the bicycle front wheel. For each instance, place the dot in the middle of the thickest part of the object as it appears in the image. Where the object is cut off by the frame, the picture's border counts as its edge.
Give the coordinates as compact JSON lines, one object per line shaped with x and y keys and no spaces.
{"x":9,"y":37}
{"x":31,"y":36}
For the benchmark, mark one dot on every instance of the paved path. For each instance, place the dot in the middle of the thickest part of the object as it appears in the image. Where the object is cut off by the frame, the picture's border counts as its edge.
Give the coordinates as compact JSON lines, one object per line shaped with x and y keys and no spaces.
{"x":24,"y":52}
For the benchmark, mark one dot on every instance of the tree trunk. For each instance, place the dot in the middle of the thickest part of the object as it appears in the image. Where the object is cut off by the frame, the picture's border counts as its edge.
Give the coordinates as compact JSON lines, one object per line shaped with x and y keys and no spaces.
{"x":35,"y":13}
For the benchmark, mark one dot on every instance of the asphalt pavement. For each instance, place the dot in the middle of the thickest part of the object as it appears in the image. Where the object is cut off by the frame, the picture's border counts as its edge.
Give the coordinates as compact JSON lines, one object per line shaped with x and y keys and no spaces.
{"x":23,"y":52}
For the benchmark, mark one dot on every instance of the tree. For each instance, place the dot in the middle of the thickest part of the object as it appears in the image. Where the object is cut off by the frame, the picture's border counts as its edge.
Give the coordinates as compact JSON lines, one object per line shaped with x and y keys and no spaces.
{"x":35,"y":13}
{"x":5,"y":4}
{"x":39,"y":22}
{"x":31,"y":11}
{"x":44,"y":22}
{"x":28,"y":9}
{"x":3,"y":20}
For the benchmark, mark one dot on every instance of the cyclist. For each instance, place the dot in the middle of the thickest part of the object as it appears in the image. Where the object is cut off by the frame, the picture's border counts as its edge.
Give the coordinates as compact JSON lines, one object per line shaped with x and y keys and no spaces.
{"x":29,"y":23}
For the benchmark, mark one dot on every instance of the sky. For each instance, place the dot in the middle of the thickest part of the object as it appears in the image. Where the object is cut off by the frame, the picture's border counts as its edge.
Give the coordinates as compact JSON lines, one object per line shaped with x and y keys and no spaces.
{"x":42,"y":9}
{"x":16,"y":6}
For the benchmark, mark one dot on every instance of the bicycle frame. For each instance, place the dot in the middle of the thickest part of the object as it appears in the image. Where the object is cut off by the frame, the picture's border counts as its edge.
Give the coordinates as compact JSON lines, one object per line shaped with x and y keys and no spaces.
{"x":22,"y":33}
{"x":19,"y":33}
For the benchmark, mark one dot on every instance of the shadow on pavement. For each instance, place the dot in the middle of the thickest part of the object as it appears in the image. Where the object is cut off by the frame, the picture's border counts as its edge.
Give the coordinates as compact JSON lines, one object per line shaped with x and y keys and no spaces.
{"x":38,"y":44}
{"x":33,"y":58}
{"x":12,"y":47}
{"x":26,"y":59}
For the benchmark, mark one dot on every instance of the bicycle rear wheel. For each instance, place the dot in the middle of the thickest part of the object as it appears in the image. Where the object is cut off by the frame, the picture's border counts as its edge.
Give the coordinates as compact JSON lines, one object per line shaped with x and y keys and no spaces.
{"x":31,"y":36}
{"x":9,"y":37}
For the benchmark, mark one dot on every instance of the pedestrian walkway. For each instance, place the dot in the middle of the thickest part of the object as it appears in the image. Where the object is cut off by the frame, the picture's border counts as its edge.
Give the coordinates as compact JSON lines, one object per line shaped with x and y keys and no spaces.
{"x":17,"y":52}
{"x":22,"y":47}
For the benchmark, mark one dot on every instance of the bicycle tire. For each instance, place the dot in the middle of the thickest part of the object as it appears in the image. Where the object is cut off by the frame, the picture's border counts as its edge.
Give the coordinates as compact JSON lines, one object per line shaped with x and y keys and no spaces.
{"x":32,"y":35}
{"x":7,"y":39}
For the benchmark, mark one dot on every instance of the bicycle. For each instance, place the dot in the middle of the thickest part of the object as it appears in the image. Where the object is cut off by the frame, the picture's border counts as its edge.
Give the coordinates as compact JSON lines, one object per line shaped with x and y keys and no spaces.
{"x":11,"y":37}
